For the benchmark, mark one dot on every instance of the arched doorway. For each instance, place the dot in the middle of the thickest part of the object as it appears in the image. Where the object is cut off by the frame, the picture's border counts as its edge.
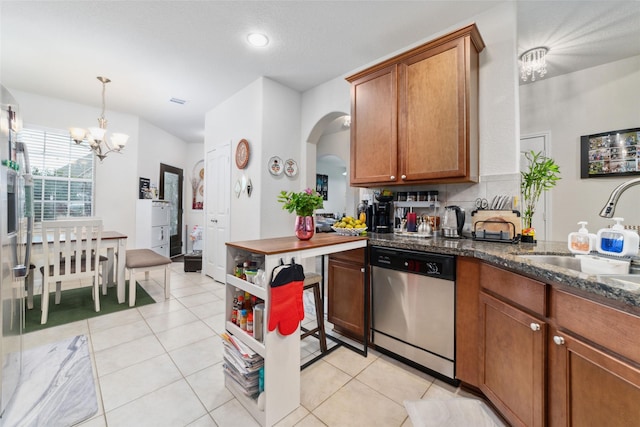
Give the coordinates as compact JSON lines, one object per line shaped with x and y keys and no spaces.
{"x":331,"y":137}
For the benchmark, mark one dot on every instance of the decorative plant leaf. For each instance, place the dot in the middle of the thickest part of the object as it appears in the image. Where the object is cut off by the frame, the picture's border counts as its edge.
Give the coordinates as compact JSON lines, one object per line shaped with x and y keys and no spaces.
{"x":542,"y":175}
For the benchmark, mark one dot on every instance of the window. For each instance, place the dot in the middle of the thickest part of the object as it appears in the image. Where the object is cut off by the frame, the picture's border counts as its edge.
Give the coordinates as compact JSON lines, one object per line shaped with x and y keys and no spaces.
{"x":63,"y":174}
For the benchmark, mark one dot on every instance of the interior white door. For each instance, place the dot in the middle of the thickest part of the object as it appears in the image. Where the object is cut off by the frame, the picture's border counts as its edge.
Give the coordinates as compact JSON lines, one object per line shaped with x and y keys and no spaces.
{"x":217,"y":202}
{"x":540,"y":220}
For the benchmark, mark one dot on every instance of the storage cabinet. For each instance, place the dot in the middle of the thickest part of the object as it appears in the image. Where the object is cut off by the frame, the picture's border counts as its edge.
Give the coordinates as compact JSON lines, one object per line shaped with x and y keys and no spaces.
{"x":415,"y":116}
{"x":345,"y":308}
{"x":545,"y":355}
{"x":152,"y":225}
{"x":594,"y":365}
{"x":512,"y":335}
{"x":281,"y":353}
{"x":467,"y":320}
{"x":512,"y":361}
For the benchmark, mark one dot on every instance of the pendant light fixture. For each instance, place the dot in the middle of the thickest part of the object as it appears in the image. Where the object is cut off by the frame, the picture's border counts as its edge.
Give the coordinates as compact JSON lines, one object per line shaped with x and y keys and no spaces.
{"x":96,"y":136}
{"x":533,"y":62}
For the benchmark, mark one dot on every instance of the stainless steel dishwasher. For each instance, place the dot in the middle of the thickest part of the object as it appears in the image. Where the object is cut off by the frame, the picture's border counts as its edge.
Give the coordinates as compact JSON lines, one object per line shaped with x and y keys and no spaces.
{"x":413,"y":308}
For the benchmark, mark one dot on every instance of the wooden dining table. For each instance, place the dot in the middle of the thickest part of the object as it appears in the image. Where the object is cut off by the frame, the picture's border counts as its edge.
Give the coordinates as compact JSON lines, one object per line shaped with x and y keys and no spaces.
{"x":114,"y":242}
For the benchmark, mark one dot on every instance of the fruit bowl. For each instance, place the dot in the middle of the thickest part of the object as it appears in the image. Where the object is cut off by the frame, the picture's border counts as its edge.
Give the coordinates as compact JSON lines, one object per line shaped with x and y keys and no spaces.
{"x":348,"y":231}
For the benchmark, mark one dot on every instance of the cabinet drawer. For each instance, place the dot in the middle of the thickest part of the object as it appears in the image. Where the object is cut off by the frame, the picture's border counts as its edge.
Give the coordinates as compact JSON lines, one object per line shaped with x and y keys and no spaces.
{"x":528,"y":293}
{"x":607,"y":326}
{"x":160,"y":214}
{"x":355,"y":256}
{"x":159,"y":235}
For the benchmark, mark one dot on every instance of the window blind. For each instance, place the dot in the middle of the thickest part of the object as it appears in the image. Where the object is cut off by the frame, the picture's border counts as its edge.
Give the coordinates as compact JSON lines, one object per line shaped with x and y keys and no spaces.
{"x":63,"y":174}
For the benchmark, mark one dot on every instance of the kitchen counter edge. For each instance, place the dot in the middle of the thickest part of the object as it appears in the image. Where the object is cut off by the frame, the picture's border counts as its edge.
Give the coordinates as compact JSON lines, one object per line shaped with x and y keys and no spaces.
{"x":507,"y":255}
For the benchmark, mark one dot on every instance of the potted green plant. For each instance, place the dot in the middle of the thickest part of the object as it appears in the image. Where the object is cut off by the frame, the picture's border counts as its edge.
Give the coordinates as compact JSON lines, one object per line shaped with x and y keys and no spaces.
{"x":542,"y":174}
{"x":303,"y":203}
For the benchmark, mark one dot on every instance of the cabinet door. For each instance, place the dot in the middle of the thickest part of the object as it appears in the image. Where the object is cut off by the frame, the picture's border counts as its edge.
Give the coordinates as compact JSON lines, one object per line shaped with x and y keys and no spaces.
{"x":467,"y":315}
{"x":433,"y":133}
{"x":346,"y":297}
{"x":374,"y":137}
{"x":512,"y":361}
{"x":589,"y":387}
{"x":159,"y":236}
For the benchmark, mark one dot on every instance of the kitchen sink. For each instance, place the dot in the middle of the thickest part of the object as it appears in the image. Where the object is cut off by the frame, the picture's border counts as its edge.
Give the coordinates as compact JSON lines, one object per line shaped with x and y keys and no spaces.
{"x":564,"y":261}
{"x":628,"y":281}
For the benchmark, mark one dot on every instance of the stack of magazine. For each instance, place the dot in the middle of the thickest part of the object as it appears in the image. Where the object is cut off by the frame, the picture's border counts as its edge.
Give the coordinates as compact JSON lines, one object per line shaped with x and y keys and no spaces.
{"x":242,"y":365}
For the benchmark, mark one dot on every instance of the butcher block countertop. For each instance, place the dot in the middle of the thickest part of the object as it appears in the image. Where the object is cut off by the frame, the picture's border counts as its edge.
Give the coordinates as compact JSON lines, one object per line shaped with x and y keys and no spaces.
{"x":281,"y":245}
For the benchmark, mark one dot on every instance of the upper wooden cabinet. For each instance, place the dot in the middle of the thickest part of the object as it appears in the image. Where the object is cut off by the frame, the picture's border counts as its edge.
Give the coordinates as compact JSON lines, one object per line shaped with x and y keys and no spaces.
{"x":414,"y":117}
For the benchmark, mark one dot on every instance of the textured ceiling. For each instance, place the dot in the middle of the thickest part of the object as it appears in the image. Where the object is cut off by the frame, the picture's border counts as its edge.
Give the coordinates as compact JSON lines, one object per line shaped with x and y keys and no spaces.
{"x":196,"y":50}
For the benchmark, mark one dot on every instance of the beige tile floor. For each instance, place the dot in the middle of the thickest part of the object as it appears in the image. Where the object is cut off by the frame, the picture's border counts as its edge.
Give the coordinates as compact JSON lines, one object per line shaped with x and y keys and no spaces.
{"x":161,"y":365}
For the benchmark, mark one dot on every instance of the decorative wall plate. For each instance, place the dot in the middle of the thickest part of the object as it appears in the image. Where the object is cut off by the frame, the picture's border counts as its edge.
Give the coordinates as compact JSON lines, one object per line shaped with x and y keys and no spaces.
{"x":242,"y":154}
{"x":290,"y":167}
{"x":237,"y":188}
{"x":276,"y":167}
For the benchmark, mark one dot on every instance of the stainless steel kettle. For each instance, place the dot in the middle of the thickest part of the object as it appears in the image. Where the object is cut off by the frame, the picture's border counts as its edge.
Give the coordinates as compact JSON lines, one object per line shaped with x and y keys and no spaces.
{"x":453,"y":221}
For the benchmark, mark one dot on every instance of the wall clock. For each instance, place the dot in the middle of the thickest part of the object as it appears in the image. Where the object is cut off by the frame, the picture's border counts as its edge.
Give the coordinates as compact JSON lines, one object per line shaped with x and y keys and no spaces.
{"x":242,"y":154}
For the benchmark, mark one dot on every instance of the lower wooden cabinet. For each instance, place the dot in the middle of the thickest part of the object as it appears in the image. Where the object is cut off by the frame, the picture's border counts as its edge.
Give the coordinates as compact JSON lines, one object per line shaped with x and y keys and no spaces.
{"x":544,"y":354}
{"x":512,"y":361}
{"x":346,"y":293}
{"x":588,"y":387}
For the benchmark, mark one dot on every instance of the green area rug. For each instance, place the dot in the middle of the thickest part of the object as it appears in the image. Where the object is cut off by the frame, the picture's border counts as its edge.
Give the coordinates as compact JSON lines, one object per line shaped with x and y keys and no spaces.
{"x":77,"y":304}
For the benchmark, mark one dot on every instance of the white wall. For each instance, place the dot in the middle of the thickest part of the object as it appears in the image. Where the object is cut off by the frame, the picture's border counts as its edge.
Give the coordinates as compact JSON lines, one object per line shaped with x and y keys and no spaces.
{"x":336,"y":202}
{"x":234,"y":119}
{"x":266,"y":114}
{"x":590,"y":101}
{"x":342,"y":198}
{"x":498,"y":108}
{"x":281,"y":136}
{"x":194,"y":154}
{"x":116,"y":180}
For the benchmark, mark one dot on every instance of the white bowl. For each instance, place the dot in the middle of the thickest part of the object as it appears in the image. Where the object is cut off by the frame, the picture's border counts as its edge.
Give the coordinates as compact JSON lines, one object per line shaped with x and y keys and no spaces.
{"x":348,"y":231}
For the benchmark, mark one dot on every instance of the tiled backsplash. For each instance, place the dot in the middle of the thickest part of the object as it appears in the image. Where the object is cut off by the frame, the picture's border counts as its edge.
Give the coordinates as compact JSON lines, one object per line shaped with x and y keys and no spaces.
{"x":463,"y":195}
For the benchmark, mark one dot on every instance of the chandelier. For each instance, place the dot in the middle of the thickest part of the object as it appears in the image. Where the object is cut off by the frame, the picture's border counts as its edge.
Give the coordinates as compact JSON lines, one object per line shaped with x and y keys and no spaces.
{"x":95,"y":136}
{"x":533,"y":61}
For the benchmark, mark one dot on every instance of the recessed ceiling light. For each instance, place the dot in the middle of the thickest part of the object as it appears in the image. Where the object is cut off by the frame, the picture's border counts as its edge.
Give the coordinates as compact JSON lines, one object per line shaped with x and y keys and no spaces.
{"x":258,"y":40}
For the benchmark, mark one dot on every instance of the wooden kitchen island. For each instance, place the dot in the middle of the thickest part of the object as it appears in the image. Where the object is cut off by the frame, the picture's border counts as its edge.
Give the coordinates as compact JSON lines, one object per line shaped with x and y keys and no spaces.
{"x":281,"y":353}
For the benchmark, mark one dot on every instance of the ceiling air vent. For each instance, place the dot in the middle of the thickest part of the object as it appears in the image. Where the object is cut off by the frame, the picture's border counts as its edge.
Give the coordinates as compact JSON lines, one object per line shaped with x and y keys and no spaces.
{"x":178,"y":101}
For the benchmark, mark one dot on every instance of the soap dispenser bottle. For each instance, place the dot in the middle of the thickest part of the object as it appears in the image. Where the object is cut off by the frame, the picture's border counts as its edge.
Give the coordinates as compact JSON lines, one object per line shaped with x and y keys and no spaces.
{"x":581,"y":241}
{"x":618,"y":241}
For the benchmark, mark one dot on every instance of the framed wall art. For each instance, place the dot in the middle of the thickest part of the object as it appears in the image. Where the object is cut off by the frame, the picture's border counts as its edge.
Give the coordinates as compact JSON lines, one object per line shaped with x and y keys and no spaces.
{"x":322,"y":186}
{"x":613,"y":153}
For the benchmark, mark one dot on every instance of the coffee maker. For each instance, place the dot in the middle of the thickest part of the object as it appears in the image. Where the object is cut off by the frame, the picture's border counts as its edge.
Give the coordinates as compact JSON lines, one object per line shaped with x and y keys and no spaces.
{"x":382,"y":217}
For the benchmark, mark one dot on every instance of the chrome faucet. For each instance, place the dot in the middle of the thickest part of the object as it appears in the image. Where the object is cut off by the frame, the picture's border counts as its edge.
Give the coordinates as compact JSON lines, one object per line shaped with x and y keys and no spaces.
{"x":610,"y":207}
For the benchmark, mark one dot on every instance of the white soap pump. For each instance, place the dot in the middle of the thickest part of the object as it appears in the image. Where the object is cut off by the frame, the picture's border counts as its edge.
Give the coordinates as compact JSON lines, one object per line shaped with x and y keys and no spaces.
{"x":581,"y":241}
{"x":618,"y":241}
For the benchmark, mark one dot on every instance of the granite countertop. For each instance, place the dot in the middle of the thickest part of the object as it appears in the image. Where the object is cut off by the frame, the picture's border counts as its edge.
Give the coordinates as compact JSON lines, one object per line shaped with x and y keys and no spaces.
{"x":507,"y":255}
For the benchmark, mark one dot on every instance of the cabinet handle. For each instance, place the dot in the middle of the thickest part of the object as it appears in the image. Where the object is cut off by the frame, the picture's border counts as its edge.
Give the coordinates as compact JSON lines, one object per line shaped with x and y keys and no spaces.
{"x":558,"y":340}
{"x":214,"y":220}
{"x":404,"y":177}
{"x":362,"y":270}
{"x":161,"y":233}
{"x":535,"y":327}
{"x":392,"y":177}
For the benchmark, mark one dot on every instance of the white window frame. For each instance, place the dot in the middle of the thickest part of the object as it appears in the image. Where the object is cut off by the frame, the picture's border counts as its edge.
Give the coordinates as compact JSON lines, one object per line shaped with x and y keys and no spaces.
{"x":48,"y":151}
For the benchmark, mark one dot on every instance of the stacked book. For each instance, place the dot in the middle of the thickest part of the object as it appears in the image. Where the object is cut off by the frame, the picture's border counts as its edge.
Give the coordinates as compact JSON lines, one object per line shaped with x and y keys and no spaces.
{"x":242,"y":365}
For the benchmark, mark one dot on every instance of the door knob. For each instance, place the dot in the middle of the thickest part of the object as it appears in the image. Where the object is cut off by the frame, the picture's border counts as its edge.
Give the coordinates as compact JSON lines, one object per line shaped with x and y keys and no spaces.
{"x":558,"y":340}
{"x":535,"y":327}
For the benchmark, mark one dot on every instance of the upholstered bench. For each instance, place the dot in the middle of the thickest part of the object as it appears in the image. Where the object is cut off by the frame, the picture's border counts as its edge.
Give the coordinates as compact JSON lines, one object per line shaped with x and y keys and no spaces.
{"x":145,"y":260}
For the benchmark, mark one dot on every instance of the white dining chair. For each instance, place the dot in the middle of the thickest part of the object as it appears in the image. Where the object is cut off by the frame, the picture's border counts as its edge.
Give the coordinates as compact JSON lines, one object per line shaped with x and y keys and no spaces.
{"x":71,"y":249}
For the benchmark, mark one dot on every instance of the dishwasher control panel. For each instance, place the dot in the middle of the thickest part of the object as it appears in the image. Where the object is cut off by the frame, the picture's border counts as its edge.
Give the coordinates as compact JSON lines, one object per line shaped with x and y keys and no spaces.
{"x":424,"y":263}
